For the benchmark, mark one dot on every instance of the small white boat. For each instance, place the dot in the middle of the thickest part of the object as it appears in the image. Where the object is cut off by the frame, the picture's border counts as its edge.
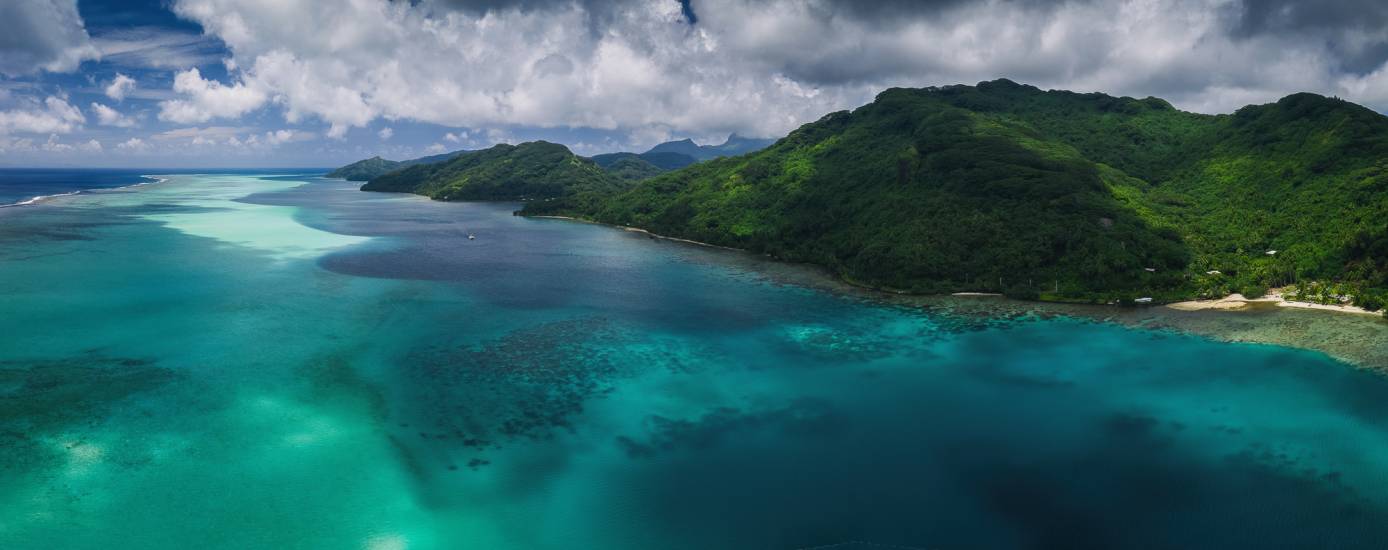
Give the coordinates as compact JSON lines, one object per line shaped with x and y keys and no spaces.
{"x":471,"y":237}
{"x":1143,"y":300}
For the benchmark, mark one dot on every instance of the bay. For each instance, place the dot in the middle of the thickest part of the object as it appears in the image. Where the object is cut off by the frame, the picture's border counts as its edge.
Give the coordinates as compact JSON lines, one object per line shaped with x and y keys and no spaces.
{"x":233,"y":360}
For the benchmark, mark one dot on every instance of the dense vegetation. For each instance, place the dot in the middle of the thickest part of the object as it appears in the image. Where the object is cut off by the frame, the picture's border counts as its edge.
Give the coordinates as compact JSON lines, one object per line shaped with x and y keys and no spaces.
{"x":630,"y":168}
{"x":664,"y":162}
{"x":534,"y":170}
{"x":364,"y":170}
{"x":662,"y":158}
{"x":1056,"y":195}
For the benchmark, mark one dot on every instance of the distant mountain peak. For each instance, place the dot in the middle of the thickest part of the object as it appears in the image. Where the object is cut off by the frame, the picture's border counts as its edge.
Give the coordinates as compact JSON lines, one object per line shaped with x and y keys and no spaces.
{"x":733,"y":146}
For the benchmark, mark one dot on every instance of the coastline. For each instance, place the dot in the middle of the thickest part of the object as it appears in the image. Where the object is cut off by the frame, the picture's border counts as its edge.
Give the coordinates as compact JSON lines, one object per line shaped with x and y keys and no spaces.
{"x":1357,"y":339}
{"x":1274,"y":297}
{"x":643,"y":231}
{"x":1232,"y":302}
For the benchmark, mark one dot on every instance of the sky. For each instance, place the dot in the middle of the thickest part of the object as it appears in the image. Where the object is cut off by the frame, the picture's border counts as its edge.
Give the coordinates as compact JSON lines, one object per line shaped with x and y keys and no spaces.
{"x":319,"y":83}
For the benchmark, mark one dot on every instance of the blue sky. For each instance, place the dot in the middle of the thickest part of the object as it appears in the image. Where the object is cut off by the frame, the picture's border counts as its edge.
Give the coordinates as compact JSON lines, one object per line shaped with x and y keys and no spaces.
{"x":230,"y":83}
{"x":146,"y":42}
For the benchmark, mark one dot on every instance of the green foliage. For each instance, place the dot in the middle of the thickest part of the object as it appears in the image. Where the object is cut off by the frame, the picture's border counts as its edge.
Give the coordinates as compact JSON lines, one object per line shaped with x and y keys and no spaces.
{"x":664,"y":161}
{"x":913,"y":193}
{"x":536,"y":170}
{"x":633,"y":168}
{"x":364,"y":170}
{"x":1055,"y":194}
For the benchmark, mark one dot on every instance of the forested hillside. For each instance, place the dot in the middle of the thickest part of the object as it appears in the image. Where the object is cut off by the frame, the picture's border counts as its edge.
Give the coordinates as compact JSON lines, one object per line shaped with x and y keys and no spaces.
{"x":1054,"y":194}
{"x":534,"y":170}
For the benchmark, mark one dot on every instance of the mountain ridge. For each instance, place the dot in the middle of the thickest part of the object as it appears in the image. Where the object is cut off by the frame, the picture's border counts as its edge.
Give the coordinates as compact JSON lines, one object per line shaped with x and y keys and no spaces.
{"x":1049,"y":194}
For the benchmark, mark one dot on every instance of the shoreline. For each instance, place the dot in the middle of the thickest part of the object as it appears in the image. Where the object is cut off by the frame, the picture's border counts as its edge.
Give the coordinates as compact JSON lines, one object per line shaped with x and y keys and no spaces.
{"x":1275,"y":297}
{"x":643,"y":231}
{"x":1350,"y":339}
{"x":1232,"y":302}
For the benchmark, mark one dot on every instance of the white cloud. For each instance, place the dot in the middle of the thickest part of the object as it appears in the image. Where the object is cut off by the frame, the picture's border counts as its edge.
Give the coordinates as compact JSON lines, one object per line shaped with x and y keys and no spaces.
{"x":133,"y":144}
{"x":233,"y":136}
{"x":207,"y":133}
{"x":119,"y":87}
{"x":11,"y":145}
{"x":455,"y":138}
{"x":91,"y":146}
{"x":385,"y":133}
{"x":54,"y":115}
{"x":55,"y":146}
{"x":435,"y":149}
{"x":45,"y":35}
{"x":285,"y":136}
{"x":107,"y":116}
{"x":156,"y":48}
{"x":204,"y":100}
{"x":368,"y":60}
{"x":755,"y":67}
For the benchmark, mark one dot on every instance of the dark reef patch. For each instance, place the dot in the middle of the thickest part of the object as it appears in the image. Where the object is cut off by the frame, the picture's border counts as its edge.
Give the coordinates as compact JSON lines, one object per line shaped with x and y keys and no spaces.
{"x":803,"y":416}
{"x":40,"y":397}
{"x":527,"y":384}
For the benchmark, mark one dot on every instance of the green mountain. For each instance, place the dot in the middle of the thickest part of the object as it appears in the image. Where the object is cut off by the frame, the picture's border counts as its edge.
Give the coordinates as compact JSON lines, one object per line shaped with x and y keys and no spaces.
{"x":735,"y":145}
{"x":529,"y":171}
{"x":364,"y":170}
{"x":663,"y":161}
{"x":628,"y":166}
{"x":634,"y":167}
{"x":1057,"y":195}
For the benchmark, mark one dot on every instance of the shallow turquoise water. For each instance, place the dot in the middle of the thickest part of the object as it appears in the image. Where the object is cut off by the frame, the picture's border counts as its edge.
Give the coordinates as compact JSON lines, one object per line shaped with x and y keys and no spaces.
{"x":228,"y":361}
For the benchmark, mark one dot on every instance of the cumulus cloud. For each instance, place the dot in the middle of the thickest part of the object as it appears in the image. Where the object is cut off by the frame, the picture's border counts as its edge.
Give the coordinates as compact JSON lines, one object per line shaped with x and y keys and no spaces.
{"x":119,"y":87}
{"x":54,"y":116}
{"x":14,"y":145}
{"x":42,"y":35}
{"x":207,"y":133}
{"x":203,"y":100}
{"x":385,"y":133}
{"x":653,"y":68}
{"x":55,"y":146}
{"x":277,"y":137}
{"x":234,"y":136}
{"x":107,"y":116}
{"x":133,"y":144}
{"x":435,"y":149}
{"x":455,"y":138}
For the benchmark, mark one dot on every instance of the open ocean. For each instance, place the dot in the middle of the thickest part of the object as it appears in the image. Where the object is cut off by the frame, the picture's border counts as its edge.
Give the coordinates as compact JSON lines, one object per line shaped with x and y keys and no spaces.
{"x":23,"y":186}
{"x":233,"y":361}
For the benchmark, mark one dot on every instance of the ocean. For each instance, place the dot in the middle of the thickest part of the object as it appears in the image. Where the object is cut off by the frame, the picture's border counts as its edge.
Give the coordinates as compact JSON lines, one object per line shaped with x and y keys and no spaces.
{"x":27,"y":185}
{"x":281,"y":361}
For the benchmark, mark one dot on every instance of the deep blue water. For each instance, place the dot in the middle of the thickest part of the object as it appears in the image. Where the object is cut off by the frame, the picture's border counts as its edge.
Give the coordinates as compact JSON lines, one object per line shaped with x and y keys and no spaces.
{"x":240,"y":362}
{"x":22,"y":184}
{"x":19,"y":185}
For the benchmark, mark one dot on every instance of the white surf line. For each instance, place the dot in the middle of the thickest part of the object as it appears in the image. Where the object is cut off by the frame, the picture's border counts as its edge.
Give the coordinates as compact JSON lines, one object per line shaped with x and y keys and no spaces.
{"x":38,"y":199}
{"x":95,"y":190}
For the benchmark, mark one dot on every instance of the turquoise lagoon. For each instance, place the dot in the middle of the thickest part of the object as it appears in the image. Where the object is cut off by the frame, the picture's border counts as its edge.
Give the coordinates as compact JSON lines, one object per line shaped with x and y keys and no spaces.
{"x":237,"y":361}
